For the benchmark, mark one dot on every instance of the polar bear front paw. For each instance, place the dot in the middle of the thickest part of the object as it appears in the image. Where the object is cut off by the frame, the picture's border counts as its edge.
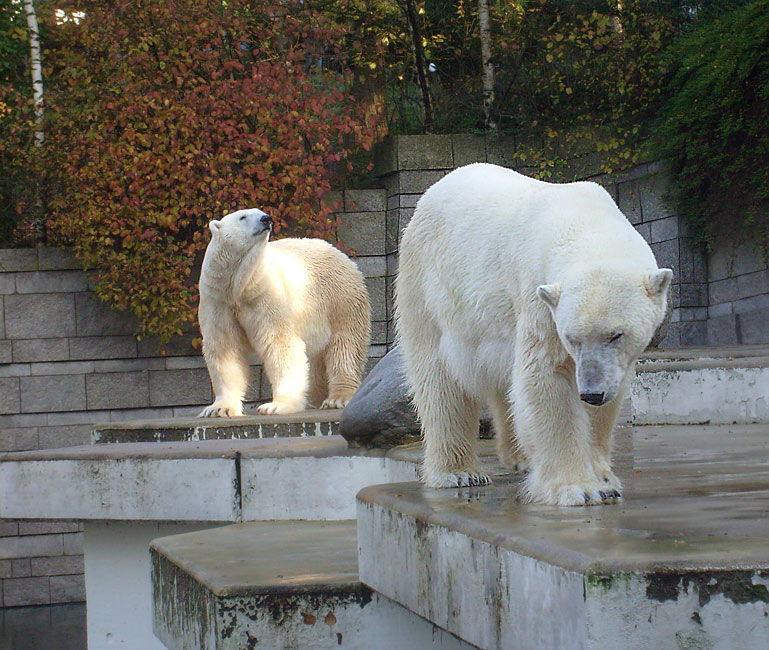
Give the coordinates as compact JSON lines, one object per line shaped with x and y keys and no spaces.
{"x":455,"y":479}
{"x":590,"y":493}
{"x":221,"y":411}
{"x":279,"y":408}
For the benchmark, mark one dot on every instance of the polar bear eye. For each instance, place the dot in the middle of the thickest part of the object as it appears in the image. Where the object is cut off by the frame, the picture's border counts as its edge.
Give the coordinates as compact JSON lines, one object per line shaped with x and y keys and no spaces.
{"x":243,"y":218}
{"x":615,"y":337}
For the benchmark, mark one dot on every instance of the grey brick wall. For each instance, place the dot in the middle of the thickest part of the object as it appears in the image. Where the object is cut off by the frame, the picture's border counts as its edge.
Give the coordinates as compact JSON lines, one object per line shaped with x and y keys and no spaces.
{"x":738,"y":295}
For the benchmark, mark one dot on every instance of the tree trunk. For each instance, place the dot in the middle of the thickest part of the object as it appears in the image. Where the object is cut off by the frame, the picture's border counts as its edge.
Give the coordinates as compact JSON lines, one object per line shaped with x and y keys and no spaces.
{"x":36,"y":67}
{"x":412,"y":19}
{"x":487,"y":65}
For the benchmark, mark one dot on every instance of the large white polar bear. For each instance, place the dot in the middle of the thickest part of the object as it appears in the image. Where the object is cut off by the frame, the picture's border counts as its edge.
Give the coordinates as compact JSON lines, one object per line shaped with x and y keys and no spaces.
{"x":299,"y":304}
{"x":535,"y":298}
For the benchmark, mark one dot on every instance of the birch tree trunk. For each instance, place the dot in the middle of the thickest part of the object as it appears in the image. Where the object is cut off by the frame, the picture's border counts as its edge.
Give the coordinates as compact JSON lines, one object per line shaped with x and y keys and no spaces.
{"x":487,"y":65}
{"x":36,"y":67}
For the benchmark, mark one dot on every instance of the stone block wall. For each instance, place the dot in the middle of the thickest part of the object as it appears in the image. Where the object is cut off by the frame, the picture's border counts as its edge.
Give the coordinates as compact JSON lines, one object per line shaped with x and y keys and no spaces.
{"x":738,"y":295}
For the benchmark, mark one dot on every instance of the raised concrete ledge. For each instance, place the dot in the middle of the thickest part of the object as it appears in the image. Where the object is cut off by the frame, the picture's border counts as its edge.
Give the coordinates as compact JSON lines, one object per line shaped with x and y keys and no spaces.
{"x":291,"y":584}
{"x":736,"y":356}
{"x":313,"y":422}
{"x":702,"y":385}
{"x":683,"y":562}
{"x":225,"y":448}
{"x":268,"y":557}
{"x":213,"y":480}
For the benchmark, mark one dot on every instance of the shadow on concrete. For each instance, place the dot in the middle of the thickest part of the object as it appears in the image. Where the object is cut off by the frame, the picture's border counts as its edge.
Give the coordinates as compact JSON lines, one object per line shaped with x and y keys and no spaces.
{"x":55,"y":627}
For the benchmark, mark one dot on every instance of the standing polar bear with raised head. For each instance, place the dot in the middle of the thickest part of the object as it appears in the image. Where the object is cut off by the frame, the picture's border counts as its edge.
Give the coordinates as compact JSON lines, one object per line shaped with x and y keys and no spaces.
{"x":299,"y":304}
{"x":535,"y":298}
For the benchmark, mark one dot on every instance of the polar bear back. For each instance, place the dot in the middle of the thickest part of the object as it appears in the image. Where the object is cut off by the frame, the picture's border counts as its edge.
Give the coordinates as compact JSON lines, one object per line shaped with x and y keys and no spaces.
{"x":531,"y":230}
{"x":529,"y":216}
{"x":319,"y":286}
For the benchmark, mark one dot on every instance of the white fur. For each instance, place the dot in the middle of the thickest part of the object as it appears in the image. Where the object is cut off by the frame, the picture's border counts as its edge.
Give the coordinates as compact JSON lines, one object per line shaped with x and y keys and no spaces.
{"x":300,"y":304}
{"x":509,"y":292}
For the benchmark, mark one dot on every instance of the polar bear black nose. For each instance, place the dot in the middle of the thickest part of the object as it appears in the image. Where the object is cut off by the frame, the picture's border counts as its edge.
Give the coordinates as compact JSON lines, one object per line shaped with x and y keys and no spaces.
{"x":594,"y":399}
{"x":266,"y":220}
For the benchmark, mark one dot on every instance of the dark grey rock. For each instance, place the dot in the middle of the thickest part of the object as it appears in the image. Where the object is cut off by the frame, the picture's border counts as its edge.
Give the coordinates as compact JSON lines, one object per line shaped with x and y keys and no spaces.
{"x":381,"y":414}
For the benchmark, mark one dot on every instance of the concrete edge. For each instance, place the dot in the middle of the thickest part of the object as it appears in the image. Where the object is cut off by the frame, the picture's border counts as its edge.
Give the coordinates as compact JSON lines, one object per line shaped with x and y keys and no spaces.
{"x":308,"y":416}
{"x":386,"y":498}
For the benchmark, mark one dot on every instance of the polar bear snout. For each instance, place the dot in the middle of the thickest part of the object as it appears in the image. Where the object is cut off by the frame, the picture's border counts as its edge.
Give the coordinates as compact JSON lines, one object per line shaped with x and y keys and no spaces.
{"x":594,"y":399}
{"x":599,"y":375}
{"x":264,"y":224}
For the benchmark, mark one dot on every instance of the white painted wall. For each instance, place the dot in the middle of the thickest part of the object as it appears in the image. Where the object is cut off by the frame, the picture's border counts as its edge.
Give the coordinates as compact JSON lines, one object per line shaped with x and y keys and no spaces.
{"x":719,"y":395}
{"x":117,"y":582}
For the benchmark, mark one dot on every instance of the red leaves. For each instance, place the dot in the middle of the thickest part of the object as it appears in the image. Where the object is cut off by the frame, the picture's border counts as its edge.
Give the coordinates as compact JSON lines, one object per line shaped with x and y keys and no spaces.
{"x":167,"y":115}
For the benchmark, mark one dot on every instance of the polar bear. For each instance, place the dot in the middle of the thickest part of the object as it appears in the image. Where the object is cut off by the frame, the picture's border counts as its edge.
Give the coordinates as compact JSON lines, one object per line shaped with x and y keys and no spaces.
{"x":299,"y":304}
{"x":534,"y":298}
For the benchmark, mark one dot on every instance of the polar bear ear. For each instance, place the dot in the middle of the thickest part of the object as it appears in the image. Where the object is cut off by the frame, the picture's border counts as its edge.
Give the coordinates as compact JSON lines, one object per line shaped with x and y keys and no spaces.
{"x":215,"y":226}
{"x":657,"y":283}
{"x":549,"y":294}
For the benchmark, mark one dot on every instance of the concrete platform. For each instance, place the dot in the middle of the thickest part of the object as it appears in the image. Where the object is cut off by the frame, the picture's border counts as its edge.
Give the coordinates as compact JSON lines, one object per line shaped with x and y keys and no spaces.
{"x":208,"y":481}
{"x":131,"y":493}
{"x":721,"y":385}
{"x":313,"y":422}
{"x":682,"y":563}
{"x":276,"y":585}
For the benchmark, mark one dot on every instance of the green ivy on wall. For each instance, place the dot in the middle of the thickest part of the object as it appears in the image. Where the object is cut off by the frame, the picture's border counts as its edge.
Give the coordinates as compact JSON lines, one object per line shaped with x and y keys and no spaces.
{"x":714,"y":126}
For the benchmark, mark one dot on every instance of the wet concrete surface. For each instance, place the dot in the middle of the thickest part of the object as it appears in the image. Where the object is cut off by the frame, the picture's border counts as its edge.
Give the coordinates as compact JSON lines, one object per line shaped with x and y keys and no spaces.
{"x":695,"y":497}
{"x":53,"y":627}
{"x":286,"y":555}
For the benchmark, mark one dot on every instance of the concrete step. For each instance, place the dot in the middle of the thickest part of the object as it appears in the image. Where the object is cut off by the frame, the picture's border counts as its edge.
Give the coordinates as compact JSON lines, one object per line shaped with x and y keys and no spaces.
{"x":719,"y":385}
{"x":210,"y":481}
{"x":682,"y":562}
{"x":291,"y":584}
{"x":313,"y":422}
{"x":130,"y":493}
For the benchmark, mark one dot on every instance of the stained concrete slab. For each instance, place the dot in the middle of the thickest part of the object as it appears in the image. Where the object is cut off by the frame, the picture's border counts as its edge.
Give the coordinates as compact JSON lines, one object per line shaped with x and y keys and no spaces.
{"x":683,"y":560}
{"x":287,"y":584}
{"x":722,"y":385}
{"x":213,"y":480}
{"x":267,"y":557}
{"x":312,"y":422}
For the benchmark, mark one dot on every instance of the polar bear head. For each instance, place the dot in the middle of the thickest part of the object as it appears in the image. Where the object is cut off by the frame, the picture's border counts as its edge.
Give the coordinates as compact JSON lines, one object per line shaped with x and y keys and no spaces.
{"x":605,"y":318}
{"x":240,"y":230}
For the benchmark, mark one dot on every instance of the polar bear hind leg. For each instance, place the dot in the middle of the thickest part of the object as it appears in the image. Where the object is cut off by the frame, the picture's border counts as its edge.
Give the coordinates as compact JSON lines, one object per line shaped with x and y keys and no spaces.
{"x":448,"y":415}
{"x":318,"y":381}
{"x":450,"y":421}
{"x":345,"y":357}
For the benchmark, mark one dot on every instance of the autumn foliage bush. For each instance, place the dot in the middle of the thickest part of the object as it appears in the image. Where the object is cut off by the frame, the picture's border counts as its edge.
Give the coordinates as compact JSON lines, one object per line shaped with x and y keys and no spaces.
{"x":164,"y":115}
